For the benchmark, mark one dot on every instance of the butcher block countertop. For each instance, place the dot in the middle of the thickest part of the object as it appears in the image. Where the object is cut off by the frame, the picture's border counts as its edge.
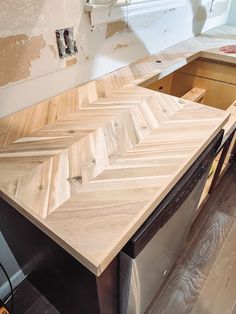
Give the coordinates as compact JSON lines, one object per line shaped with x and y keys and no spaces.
{"x":90,"y":165}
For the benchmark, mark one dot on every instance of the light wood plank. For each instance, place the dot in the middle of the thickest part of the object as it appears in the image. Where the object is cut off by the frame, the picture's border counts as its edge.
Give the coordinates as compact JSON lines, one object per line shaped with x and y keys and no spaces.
{"x":232,"y":118}
{"x":50,"y":171}
{"x":181,"y":292}
{"x":212,"y":70}
{"x":219,"y":292}
{"x":219,"y":94}
{"x":195,"y":94}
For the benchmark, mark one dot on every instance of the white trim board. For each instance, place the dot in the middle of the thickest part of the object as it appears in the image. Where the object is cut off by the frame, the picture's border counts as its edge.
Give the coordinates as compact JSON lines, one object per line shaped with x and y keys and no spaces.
{"x":106,"y":13}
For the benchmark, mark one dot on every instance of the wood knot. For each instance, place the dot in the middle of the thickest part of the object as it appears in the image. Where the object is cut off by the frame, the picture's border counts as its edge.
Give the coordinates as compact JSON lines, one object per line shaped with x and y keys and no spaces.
{"x":40,"y":187}
{"x":75,"y":179}
{"x":92,"y":163}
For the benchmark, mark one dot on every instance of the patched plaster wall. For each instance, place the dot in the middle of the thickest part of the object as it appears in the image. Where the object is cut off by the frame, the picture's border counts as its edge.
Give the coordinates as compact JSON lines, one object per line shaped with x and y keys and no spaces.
{"x":17,"y":53}
{"x":30,"y":69}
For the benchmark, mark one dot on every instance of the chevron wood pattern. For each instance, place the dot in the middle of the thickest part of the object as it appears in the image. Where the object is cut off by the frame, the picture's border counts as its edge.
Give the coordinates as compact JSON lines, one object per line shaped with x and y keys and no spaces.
{"x":90,"y":165}
{"x":97,"y":172}
{"x":141,"y":72}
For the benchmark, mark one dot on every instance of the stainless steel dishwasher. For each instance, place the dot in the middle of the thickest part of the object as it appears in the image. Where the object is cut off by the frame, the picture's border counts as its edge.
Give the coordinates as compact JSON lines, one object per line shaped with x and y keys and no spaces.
{"x":150,"y":254}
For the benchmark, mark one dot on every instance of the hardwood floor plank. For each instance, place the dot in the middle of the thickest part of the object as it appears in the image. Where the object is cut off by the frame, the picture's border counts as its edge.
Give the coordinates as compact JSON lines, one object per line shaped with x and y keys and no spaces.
{"x":219,"y":292}
{"x":181,"y":291}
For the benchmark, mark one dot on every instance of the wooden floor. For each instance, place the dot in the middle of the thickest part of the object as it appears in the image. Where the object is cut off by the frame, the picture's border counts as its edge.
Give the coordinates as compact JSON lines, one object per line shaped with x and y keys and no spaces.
{"x":204,"y":280}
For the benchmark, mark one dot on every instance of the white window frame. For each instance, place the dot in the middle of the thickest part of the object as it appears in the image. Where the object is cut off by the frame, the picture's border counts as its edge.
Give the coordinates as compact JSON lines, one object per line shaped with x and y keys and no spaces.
{"x":102,"y":12}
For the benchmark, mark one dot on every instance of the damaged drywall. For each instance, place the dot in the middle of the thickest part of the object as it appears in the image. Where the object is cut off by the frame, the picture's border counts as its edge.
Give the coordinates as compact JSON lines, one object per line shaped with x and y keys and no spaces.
{"x":53,"y":50}
{"x":71,"y":62}
{"x":116,"y":27}
{"x":33,"y":61}
{"x":119,"y":46}
{"x":16,"y":56}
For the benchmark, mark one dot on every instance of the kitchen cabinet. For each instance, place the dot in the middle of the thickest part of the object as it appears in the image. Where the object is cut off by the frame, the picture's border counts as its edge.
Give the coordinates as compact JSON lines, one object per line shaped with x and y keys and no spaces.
{"x":75,"y":190}
{"x":212,"y":83}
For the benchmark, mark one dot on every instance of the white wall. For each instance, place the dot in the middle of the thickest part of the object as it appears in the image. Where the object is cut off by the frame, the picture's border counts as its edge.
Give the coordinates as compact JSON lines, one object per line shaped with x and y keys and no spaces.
{"x":232,"y":13}
{"x":30,"y":70}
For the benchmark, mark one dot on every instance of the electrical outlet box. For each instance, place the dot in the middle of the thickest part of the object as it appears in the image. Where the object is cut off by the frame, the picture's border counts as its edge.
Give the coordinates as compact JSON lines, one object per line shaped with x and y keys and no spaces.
{"x":65,"y":42}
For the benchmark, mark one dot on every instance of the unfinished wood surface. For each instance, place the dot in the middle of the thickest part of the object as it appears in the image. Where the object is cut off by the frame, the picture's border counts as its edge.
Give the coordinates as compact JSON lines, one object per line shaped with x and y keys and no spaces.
{"x":219,"y":292}
{"x":217,"y":78}
{"x":219,"y":94}
{"x":27,"y":121}
{"x":232,"y":119}
{"x":204,"y":279}
{"x":212,"y":70}
{"x":195,"y":94}
{"x":94,"y":176}
{"x":163,"y":85}
{"x":90,"y":165}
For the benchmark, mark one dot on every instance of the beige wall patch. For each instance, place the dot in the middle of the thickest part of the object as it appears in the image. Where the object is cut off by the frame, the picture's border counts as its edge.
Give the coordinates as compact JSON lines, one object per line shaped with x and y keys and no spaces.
{"x":53,"y":50}
{"x":115,"y":27}
{"x":71,"y":62}
{"x":119,"y":46}
{"x":16,"y":56}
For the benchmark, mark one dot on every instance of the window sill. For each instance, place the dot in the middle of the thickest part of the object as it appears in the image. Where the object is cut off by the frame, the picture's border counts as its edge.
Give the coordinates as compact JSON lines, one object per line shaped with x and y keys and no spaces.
{"x":106,"y":13}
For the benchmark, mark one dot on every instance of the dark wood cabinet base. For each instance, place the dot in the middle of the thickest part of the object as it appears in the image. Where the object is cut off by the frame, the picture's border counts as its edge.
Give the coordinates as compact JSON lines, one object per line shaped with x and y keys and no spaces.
{"x":64,"y":282}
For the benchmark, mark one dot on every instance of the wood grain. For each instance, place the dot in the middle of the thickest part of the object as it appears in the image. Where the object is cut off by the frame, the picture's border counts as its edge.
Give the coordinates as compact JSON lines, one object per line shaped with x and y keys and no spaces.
{"x":219,"y":94}
{"x":134,"y":143}
{"x":217,"y":71}
{"x":90,"y":165}
{"x":199,"y":276}
{"x":232,"y":119}
{"x":195,"y":94}
{"x":219,"y":292}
